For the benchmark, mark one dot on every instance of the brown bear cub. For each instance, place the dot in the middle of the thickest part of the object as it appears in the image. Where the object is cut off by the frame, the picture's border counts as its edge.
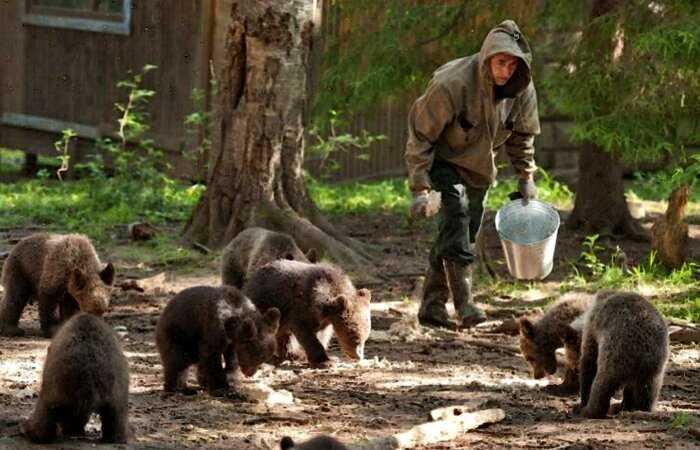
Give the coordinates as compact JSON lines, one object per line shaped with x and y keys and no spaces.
{"x":539,"y":340}
{"x":313,"y":298}
{"x":63,"y":273}
{"x":624,"y":345}
{"x":85,"y":371}
{"x":203,"y":323}
{"x":317,"y":443}
{"x":255,"y":247}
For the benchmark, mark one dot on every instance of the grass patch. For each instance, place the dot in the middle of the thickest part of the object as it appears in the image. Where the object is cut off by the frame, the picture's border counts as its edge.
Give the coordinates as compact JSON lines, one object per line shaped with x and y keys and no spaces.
{"x":94,"y":206}
{"x":165,"y":250}
{"x":392,"y":195}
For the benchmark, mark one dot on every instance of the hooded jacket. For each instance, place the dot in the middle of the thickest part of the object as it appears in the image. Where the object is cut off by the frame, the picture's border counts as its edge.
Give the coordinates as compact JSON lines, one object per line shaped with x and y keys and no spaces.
{"x":461,"y":119}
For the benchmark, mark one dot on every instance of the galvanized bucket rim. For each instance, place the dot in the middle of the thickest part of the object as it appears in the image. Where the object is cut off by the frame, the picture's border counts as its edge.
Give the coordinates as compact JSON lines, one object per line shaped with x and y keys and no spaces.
{"x":546,"y":206}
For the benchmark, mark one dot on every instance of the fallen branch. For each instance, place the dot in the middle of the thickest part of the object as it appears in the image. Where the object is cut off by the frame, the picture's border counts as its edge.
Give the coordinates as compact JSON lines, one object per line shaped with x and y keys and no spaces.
{"x":450,"y":412}
{"x":433,"y":432}
{"x":684,"y":335}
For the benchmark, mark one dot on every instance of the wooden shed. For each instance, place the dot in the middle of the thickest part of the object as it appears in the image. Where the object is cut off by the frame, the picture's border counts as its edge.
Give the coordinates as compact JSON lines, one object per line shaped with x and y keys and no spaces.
{"x":60,"y":61}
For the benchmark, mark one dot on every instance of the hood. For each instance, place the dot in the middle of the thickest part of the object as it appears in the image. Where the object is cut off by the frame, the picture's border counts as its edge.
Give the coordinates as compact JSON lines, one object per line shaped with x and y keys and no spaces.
{"x":506,"y":38}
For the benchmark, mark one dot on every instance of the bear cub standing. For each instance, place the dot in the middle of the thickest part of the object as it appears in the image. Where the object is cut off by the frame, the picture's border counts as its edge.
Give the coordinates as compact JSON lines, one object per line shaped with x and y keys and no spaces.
{"x":85,"y":371}
{"x":253,"y":248}
{"x":539,"y":340}
{"x":201,"y":324}
{"x":317,"y":443}
{"x":62,"y":272}
{"x":313,"y":298}
{"x":624,"y":345}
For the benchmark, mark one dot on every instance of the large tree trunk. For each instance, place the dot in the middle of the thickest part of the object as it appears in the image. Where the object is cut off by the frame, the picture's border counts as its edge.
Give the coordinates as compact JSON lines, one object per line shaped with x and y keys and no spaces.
{"x":255,"y":176}
{"x":600,"y":205}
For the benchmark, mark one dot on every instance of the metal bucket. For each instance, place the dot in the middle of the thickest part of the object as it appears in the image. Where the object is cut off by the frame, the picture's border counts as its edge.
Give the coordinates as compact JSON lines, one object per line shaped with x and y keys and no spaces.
{"x":528,"y":236}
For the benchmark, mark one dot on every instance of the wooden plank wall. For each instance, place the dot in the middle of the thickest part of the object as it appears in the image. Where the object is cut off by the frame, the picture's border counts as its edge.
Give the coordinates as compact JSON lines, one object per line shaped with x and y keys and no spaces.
{"x":71,"y":75}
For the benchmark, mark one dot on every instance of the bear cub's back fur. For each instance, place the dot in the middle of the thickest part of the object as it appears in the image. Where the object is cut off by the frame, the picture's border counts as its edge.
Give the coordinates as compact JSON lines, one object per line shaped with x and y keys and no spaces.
{"x":85,"y":371}
{"x":312,"y":298}
{"x":62,"y":272}
{"x":624,"y":344}
{"x":254,"y":247}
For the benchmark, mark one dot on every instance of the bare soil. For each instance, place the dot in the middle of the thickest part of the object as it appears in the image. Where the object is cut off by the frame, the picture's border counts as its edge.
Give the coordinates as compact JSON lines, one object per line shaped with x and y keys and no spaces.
{"x":408,"y":371}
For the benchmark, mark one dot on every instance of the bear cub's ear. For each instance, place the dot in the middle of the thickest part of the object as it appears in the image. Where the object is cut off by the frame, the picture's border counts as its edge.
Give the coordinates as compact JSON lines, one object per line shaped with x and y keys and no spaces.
{"x":247,"y":330}
{"x":527,"y":329}
{"x":272,"y":318}
{"x":107,"y":274}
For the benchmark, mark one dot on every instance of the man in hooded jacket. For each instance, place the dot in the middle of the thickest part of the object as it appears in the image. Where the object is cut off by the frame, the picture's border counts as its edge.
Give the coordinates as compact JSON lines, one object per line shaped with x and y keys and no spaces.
{"x":471,"y":107}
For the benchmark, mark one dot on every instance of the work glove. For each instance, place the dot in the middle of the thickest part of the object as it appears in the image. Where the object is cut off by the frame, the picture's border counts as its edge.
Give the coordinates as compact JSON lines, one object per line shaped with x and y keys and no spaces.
{"x":419,"y":205}
{"x":527,"y":189}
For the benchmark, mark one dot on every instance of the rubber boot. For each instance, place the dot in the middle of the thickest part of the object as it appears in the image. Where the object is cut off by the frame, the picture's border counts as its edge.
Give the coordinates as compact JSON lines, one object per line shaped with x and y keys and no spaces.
{"x":435,"y":294}
{"x":460,"y":284}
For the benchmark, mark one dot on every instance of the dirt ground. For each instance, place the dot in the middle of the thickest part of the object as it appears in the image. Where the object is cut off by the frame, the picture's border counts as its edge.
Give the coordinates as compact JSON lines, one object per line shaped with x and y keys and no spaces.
{"x":408,"y":370}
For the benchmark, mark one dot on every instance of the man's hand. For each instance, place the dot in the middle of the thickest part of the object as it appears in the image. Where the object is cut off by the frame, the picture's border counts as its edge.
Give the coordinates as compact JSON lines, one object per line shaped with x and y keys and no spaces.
{"x":419,"y":204}
{"x":527,"y":189}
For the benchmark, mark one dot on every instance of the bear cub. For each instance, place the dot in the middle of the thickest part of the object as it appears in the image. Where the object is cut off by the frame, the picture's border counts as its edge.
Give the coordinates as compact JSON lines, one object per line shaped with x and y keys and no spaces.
{"x":253,"y":248}
{"x":540,"y":339}
{"x":314,"y":300}
{"x":317,"y":443}
{"x":63,"y":273}
{"x":624,"y":345}
{"x":85,"y":371}
{"x":202,"y":324}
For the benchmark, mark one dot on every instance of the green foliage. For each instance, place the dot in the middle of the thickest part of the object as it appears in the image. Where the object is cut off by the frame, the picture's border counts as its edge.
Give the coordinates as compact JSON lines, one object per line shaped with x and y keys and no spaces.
{"x":680,"y":420}
{"x":685,"y":308}
{"x":62,"y":146}
{"x":390,"y":48}
{"x":334,"y":143}
{"x":94,"y":206}
{"x":385,"y":196}
{"x":11,"y":160}
{"x":631,"y":79}
{"x":198,"y":124}
{"x":549,"y":190}
{"x":135,"y":157}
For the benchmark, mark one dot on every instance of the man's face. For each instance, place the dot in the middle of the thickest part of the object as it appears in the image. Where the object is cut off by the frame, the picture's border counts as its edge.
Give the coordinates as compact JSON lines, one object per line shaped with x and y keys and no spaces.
{"x":503,"y":66}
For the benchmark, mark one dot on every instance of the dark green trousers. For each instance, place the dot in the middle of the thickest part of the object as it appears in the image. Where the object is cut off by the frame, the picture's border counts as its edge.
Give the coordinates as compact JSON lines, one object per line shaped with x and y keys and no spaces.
{"x":459,"y":218}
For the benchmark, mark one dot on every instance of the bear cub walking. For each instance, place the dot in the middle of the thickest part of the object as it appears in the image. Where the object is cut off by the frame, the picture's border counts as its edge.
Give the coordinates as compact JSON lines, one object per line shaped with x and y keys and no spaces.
{"x":540,"y":339}
{"x":315,"y":300}
{"x":203,"y":323}
{"x":253,"y":248}
{"x":624,"y":345}
{"x":85,"y":371}
{"x":63,"y":272}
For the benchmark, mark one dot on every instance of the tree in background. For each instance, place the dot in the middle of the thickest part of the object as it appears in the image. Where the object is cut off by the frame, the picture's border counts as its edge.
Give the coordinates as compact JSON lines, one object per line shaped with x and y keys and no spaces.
{"x":626,"y":72}
{"x":629,"y":77}
{"x":255,"y":162}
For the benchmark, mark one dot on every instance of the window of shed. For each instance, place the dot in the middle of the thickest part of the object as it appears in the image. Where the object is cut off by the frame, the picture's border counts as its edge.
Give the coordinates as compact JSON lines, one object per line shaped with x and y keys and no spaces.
{"x":102,"y":16}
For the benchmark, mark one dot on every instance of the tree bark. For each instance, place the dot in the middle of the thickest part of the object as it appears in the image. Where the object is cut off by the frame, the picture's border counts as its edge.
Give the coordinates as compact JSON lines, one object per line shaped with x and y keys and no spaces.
{"x":255,"y":168}
{"x":600,"y":205}
{"x":669,"y":234}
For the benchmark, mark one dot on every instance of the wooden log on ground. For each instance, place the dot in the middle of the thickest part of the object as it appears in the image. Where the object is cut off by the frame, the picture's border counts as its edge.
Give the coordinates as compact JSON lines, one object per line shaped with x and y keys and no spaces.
{"x":433,"y":432}
{"x":449,"y":412}
{"x":684,"y":335}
